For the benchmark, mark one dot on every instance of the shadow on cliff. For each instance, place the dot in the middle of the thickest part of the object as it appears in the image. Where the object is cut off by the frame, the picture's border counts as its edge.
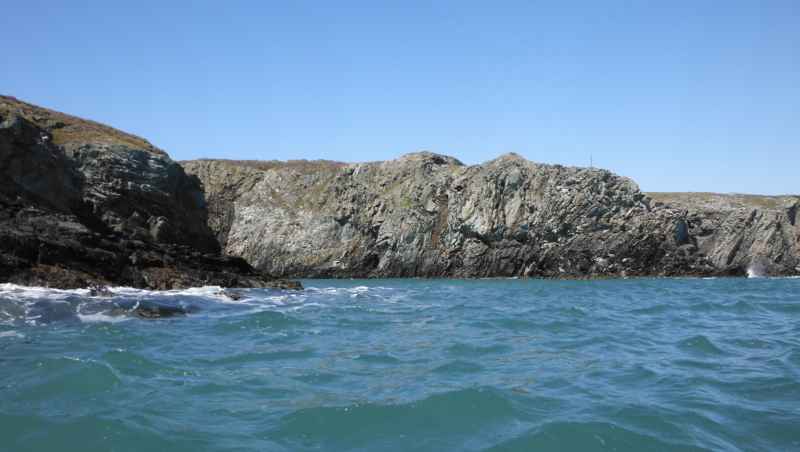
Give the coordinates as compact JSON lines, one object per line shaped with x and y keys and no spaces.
{"x":84,"y":204}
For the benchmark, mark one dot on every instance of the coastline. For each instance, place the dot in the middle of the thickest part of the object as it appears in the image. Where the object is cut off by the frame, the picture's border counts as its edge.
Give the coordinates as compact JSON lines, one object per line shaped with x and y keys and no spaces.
{"x":88,"y":205}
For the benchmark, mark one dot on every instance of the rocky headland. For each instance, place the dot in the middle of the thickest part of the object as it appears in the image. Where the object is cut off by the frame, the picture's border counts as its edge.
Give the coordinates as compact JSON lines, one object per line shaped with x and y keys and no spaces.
{"x":83,"y":204}
{"x":86,"y":205}
{"x":428,"y":215}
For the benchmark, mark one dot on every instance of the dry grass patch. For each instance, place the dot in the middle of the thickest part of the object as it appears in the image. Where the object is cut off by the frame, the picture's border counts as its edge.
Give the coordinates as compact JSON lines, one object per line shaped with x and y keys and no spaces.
{"x":733,"y":199}
{"x":72,"y":132}
{"x":302,"y":165}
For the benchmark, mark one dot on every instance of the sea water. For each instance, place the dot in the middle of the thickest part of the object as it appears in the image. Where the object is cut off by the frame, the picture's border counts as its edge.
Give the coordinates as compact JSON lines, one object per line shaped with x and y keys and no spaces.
{"x":407,"y":365}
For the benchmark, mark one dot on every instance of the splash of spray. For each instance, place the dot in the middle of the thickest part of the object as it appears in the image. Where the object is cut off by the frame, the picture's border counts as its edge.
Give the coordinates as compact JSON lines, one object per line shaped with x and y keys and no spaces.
{"x":755,"y":270}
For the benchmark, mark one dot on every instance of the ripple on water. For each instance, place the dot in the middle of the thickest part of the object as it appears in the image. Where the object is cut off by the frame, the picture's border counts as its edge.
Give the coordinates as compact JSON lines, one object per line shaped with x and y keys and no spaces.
{"x":264,"y":319}
{"x":576,"y":436}
{"x":409,"y":365}
{"x":97,"y":433}
{"x":467,"y":350}
{"x":700,"y":345}
{"x":63,"y":381}
{"x":378,"y":359}
{"x":466,"y":419}
{"x":135,"y":365}
{"x":257,"y":358}
{"x":459,"y":367}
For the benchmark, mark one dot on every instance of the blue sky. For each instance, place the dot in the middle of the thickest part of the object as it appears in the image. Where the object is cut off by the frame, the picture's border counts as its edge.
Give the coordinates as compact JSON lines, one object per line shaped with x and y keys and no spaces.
{"x":677,"y":95}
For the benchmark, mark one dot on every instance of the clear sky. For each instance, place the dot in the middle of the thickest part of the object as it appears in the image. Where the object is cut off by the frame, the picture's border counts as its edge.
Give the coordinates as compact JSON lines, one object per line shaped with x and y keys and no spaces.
{"x":677,"y":95}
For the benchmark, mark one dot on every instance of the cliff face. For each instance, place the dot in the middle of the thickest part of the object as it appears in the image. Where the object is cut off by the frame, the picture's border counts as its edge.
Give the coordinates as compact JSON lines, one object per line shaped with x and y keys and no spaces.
{"x":745,"y":234}
{"x":427,"y":215}
{"x":84,"y":204}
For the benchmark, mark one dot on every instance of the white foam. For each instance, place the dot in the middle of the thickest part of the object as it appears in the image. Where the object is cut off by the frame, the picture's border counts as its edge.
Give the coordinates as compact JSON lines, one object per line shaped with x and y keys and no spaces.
{"x":327,"y":290}
{"x":755,"y":271}
{"x":102,"y":318}
{"x":128,"y":291}
{"x":15,"y":291}
{"x":12,"y":334}
{"x":196,"y":291}
{"x":344,"y":290}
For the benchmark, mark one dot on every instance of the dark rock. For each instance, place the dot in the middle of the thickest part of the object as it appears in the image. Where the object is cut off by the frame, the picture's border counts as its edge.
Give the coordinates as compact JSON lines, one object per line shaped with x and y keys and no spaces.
{"x":153,"y":309}
{"x":230,"y":295}
{"x":83,"y":205}
{"x":100,"y":291}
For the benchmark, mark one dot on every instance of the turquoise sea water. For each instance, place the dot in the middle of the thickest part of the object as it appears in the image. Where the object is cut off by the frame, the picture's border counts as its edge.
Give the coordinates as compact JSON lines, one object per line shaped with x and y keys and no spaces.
{"x":417,"y":365}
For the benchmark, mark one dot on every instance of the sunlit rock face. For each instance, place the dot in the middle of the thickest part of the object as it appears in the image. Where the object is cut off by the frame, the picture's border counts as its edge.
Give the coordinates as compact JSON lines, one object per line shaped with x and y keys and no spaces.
{"x":428,"y":215}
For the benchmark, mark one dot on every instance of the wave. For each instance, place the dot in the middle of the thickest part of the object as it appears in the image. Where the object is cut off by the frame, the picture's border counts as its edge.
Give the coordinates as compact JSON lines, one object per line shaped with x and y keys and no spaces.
{"x":449,"y":421}
{"x":666,"y":365}
{"x":558,"y":436}
{"x":31,"y":306}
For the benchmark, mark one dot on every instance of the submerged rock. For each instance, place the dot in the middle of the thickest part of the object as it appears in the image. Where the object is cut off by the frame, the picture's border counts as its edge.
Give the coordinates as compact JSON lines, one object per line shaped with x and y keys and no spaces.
{"x":153,"y":309}
{"x":230,"y":295}
{"x":100,"y":291}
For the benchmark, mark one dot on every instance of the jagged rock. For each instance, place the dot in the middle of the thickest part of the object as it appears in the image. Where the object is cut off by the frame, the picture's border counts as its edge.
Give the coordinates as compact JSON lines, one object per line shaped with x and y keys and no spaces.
{"x":83,"y":204}
{"x":743,"y":234}
{"x":153,"y":309}
{"x":230,"y":295}
{"x":100,"y":291}
{"x":427,"y":215}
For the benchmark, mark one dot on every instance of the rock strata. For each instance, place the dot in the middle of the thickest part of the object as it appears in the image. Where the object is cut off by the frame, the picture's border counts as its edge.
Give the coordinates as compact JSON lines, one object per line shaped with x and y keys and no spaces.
{"x":744,"y":235}
{"x":427,"y":215}
{"x":83,"y":205}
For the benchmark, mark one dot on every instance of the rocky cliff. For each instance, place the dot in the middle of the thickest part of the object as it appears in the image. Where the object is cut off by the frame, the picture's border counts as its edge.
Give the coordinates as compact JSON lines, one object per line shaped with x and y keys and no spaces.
{"x":427,"y":215}
{"x":743,"y":234}
{"x":84,"y":204}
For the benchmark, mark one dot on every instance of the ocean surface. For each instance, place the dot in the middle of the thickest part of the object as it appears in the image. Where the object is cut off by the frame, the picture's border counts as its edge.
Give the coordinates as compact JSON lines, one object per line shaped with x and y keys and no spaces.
{"x":407,"y":365}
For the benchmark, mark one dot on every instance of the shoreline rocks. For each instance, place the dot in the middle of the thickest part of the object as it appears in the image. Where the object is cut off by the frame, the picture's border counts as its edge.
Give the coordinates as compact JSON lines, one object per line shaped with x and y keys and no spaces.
{"x":84,"y":205}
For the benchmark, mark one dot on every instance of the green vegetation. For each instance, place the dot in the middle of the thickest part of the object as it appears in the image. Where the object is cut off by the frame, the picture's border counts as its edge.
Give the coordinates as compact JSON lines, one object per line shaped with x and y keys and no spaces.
{"x":72,"y":132}
{"x":681,"y":196}
{"x":302,"y":165}
{"x":769,"y":202}
{"x":758,"y":201}
{"x":373,"y":177}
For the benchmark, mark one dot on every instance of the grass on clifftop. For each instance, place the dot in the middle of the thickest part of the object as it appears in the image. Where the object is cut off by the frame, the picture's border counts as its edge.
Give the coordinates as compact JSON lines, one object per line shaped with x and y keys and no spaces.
{"x":264,"y":165}
{"x":72,"y":132}
{"x":732,"y":199}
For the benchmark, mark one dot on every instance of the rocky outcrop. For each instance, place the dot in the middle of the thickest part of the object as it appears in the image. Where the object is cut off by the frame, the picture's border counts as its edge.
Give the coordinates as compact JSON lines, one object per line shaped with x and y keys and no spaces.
{"x":427,"y":215}
{"x":83,"y":204}
{"x":744,"y":234}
